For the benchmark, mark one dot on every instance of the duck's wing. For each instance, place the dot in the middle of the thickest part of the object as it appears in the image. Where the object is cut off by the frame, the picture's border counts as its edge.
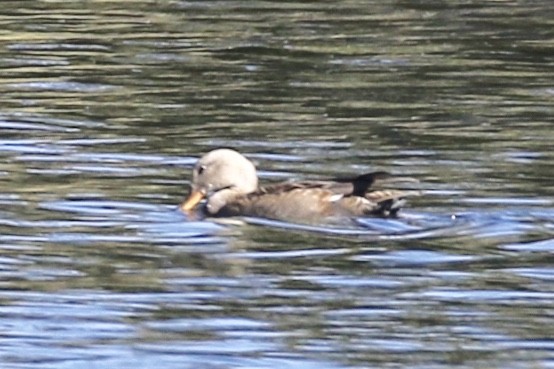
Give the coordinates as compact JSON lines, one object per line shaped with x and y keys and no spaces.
{"x":380,"y":202}
{"x":311,"y":201}
{"x":356,"y":186}
{"x":364,"y":184}
{"x":289,"y":186}
{"x":367,"y":194}
{"x":306,"y":202}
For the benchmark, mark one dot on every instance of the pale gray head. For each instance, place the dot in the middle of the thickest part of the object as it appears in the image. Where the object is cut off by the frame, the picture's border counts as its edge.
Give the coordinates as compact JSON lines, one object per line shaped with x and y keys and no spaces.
{"x":224,"y":169}
{"x":220,"y":174}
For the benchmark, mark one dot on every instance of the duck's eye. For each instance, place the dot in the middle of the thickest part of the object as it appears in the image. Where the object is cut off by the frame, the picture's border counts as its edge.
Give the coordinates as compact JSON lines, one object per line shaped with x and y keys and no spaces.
{"x":201,"y":169}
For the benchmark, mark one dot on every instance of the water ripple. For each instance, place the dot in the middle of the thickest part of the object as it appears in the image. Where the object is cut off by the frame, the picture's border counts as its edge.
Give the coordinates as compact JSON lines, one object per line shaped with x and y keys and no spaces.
{"x":63,"y":86}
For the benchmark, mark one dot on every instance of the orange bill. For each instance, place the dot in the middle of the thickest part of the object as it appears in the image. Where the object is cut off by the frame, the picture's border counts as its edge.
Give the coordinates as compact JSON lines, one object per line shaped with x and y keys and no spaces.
{"x":194,"y":198}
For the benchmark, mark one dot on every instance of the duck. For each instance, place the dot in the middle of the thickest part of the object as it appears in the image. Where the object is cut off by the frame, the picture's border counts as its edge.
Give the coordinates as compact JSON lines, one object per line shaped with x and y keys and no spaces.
{"x":229,"y":183}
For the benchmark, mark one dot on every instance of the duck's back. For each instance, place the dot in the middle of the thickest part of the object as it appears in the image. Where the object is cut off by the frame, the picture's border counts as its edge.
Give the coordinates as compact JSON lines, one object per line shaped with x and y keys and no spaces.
{"x":313,"y":202}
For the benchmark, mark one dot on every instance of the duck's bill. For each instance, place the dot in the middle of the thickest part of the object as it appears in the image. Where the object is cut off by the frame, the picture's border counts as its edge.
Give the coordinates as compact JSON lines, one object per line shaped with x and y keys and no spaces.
{"x":194,"y":198}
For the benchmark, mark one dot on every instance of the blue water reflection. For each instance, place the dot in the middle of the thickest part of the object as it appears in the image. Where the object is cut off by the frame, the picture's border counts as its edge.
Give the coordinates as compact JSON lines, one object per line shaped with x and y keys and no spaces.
{"x":107,"y":105}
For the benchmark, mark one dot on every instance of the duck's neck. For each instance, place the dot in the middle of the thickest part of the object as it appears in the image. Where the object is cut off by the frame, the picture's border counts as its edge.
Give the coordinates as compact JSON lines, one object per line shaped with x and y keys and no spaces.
{"x":218,"y":200}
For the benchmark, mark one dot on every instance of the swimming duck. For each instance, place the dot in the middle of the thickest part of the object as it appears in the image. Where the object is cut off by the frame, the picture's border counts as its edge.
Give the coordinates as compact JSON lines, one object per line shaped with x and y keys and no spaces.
{"x":229,"y":182}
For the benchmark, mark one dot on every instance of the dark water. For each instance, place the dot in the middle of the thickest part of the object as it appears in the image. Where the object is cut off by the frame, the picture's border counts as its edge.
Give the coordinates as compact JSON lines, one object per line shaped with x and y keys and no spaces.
{"x":106,"y":105}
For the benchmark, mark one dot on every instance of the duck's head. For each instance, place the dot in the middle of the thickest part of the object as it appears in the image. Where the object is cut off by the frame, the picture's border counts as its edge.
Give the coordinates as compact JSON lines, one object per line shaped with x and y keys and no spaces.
{"x":217,"y":175}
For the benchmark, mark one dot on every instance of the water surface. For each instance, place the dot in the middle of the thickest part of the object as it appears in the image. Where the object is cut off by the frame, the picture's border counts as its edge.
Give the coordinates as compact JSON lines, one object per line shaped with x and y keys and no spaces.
{"x":107,"y":105}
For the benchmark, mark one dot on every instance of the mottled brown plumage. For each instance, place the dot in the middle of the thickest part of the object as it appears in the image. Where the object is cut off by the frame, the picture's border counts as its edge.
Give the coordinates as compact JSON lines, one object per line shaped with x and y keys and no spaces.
{"x":230,"y":183}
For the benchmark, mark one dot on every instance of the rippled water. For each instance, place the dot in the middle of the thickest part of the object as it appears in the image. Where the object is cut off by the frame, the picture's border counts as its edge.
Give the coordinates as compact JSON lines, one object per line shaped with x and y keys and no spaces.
{"x":107,"y":105}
